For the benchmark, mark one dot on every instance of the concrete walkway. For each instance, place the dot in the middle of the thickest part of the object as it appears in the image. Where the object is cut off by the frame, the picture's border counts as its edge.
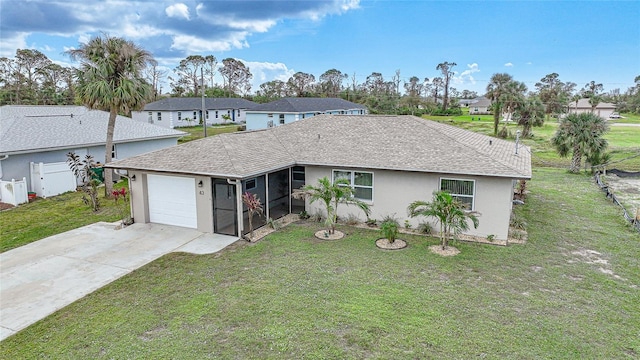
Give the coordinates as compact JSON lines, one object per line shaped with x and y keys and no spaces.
{"x":44,"y":276}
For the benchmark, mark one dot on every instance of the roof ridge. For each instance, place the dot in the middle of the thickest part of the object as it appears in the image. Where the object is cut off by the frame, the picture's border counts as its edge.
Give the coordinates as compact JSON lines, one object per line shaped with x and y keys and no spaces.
{"x":468,"y":146}
{"x":224,"y":146}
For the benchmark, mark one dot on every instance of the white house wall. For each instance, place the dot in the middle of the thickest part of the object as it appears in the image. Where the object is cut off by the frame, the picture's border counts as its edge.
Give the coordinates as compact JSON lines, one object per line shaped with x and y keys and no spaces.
{"x":169,"y":119}
{"x":393,"y":191}
{"x":17,"y":166}
{"x":260,"y":120}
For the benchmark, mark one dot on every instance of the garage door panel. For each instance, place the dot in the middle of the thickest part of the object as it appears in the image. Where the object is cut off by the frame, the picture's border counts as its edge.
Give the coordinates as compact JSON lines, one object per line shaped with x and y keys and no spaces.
{"x":172,"y":200}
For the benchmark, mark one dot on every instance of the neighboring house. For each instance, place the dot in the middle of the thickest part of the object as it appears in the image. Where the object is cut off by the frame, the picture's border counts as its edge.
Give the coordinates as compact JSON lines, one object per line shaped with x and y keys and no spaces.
{"x":466,"y":102}
{"x":390,"y":160}
{"x":287,"y":110}
{"x":480,"y":106}
{"x":35,"y":140}
{"x":604,"y":110}
{"x":178,"y":112}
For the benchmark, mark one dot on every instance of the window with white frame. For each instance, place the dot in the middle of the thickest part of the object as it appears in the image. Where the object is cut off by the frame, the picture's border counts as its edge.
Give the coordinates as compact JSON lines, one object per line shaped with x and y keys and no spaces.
{"x":216,"y":114}
{"x":360,"y":181}
{"x":195,"y":115}
{"x":179,"y":115}
{"x":207,"y":114}
{"x":462,"y":190}
{"x":150,"y":117}
{"x":159,"y":116}
{"x":281,"y":118}
{"x":114,"y":154}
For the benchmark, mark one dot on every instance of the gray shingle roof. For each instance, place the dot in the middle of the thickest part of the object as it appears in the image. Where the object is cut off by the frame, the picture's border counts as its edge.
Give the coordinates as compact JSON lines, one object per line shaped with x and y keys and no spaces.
{"x":192,"y":103}
{"x":361,"y":141}
{"x":40,"y":127}
{"x":584,"y":104}
{"x":296,"y":105}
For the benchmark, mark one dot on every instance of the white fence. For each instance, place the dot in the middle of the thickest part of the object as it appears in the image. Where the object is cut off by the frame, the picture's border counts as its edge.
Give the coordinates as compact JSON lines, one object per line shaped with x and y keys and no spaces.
{"x":14,"y":192}
{"x":52,"y":179}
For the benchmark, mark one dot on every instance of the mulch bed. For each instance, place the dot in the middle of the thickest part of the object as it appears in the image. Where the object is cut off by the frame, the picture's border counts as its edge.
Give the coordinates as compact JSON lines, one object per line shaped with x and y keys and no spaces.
{"x":386,"y":245}
{"x":5,"y":206}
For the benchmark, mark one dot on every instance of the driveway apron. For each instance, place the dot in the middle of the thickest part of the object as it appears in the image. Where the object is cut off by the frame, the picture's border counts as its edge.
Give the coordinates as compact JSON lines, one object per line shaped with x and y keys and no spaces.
{"x":44,"y":276}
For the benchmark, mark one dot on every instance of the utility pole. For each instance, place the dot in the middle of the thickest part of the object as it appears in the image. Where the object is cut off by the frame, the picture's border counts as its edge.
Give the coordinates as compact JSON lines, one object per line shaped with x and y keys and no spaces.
{"x":204,"y":117}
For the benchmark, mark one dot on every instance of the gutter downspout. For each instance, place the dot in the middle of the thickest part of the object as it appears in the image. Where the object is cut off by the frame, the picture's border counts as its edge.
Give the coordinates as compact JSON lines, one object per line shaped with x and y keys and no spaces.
{"x":239,"y":205}
{"x":4,"y":157}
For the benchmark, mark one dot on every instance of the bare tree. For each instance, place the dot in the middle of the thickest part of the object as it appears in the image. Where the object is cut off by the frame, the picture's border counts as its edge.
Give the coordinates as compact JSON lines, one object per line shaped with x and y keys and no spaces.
{"x":237,"y":76}
{"x":331,"y":82}
{"x":447,"y":74}
{"x":153,"y":75}
{"x":300,"y":83}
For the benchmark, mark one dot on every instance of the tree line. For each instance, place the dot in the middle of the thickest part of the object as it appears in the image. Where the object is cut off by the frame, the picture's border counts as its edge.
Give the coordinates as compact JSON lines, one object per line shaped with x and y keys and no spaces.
{"x":30,"y":78}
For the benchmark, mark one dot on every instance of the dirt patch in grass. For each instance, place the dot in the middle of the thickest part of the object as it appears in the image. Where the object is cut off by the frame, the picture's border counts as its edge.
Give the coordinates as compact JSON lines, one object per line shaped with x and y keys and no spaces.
{"x":627,"y":190}
{"x":447,"y":251}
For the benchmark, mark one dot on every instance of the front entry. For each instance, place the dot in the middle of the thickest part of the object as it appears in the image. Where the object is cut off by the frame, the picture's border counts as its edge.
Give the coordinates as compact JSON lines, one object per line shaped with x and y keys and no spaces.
{"x":224,"y":208}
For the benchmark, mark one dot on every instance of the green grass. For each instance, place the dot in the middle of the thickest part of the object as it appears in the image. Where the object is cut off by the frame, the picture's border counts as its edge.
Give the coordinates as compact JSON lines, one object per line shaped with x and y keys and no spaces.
{"x":45,"y":217}
{"x":624,"y":141}
{"x":570,"y":292}
{"x":197,"y":132}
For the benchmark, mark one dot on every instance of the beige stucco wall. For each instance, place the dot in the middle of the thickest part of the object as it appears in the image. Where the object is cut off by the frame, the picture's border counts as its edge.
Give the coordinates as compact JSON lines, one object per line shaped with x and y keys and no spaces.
{"x":393,"y":191}
{"x":204,"y":199}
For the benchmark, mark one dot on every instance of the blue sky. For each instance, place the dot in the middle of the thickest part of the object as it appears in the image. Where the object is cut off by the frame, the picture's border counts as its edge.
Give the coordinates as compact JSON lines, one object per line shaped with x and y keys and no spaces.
{"x":580,"y":40}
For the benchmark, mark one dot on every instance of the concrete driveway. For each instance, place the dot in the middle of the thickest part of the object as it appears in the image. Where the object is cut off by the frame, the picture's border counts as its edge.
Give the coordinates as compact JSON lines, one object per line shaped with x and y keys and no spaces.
{"x":44,"y":276}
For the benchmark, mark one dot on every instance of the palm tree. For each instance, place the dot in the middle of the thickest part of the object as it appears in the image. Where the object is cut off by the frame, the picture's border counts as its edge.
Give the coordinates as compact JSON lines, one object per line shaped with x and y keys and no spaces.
{"x":530,"y":113}
{"x":582,"y":135}
{"x":254,"y":206}
{"x":496,"y":87}
{"x":449,"y":211}
{"x":331,"y":195}
{"x":110,"y":78}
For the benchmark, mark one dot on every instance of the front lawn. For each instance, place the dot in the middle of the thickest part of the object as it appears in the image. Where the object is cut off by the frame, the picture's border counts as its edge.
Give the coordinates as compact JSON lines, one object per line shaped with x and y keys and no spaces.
{"x":624,"y":141}
{"x":570,"y":292}
{"x":46,"y":217}
{"x":197,"y":132}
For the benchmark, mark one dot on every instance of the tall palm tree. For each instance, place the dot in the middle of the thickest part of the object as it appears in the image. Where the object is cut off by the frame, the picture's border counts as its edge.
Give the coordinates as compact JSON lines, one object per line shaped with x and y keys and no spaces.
{"x":496,"y":87}
{"x":513,"y":97}
{"x":449,"y":211}
{"x":110,"y":78}
{"x":581,"y":135}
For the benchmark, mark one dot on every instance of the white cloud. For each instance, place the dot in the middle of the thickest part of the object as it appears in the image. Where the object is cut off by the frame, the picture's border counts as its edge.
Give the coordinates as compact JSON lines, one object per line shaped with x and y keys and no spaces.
{"x":267,"y":71}
{"x":467,"y":75}
{"x":178,"y":10}
{"x":331,"y":8}
{"x":508,"y":64}
{"x":191,"y":44}
{"x":8,"y":46}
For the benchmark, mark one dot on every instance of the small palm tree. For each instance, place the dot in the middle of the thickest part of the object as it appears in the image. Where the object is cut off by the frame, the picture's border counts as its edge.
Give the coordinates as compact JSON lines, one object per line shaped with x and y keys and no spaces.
{"x":331,"y":195}
{"x":581,"y":135}
{"x":110,"y":78}
{"x":389,"y":229}
{"x":254,"y":206}
{"x":449,"y":211}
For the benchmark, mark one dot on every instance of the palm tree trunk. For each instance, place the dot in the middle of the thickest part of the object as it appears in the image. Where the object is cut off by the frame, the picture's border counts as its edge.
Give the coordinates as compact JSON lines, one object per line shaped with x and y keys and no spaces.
{"x":108,"y":173}
{"x":576,"y":159}
{"x":496,"y":120}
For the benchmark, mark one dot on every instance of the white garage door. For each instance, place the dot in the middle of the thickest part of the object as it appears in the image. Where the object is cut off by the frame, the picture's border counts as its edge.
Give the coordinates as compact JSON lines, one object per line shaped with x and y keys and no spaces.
{"x":172,"y":200}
